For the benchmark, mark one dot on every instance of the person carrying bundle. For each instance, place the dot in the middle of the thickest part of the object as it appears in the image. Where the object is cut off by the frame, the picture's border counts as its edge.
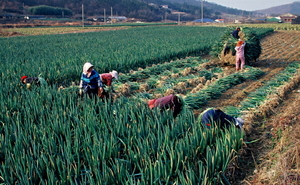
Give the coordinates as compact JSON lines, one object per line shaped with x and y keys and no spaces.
{"x":90,"y":82}
{"x":213,"y":116}
{"x":107,"y":78}
{"x":235,"y":33}
{"x":33,"y":80}
{"x":171,"y":102}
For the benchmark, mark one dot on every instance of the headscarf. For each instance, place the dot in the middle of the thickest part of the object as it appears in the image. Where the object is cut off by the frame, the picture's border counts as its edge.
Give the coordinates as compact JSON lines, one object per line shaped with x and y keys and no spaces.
{"x":23,"y":77}
{"x":239,"y":122}
{"x":239,"y":43}
{"x":86,"y":67}
{"x":114,"y":74}
{"x":151,"y":103}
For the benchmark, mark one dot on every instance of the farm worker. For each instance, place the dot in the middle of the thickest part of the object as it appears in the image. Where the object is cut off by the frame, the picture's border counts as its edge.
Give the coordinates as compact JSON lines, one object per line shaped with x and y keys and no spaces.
{"x":33,"y":80}
{"x":171,"y":102}
{"x":90,"y":82}
{"x":216,"y":116}
{"x":240,"y":55}
{"x":235,"y":33}
{"x":107,"y":78}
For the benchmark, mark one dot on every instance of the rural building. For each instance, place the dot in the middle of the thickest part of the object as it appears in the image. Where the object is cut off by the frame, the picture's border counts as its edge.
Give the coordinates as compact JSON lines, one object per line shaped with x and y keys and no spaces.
{"x":296,"y":21}
{"x":273,"y":20}
{"x":117,"y":18}
{"x":220,"y":20}
{"x":101,"y":19}
{"x":35,"y":17}
{"x":6,"y":16}
{"x":206,"y":20}
{"x":287,"y":18}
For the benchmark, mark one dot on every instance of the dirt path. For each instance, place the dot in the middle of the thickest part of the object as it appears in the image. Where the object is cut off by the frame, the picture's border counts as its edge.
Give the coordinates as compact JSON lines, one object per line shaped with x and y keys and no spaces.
{"x":278,"y":50}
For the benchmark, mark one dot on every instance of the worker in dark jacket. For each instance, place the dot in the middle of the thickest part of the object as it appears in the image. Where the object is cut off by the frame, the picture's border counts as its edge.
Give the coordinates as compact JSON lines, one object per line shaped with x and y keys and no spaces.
{"x":215,"y":116}
{"x":235,"y":33}
{"x":171,"y":102}
{"x":33,"y":80}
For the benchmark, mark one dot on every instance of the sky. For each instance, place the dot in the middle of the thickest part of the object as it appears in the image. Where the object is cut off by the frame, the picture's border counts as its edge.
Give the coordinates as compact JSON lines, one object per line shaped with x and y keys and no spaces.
{"x":251,"y":5}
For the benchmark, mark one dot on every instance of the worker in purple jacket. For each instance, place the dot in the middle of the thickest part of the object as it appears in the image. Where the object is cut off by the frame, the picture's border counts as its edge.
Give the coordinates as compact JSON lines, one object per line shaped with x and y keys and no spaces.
{"x":215,"y":116}
{"x":171,"y":102}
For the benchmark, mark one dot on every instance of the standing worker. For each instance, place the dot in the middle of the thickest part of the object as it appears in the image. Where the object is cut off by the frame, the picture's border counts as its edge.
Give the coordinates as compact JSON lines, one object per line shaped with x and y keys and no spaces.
{"x":33,"y":80}
{"x":171,"y":101}
{"x":240,"y":55}
{"x":235,"y":33}
{"x":90,"y":82}
{"x":107,"y":78}
{"x":215,"y":116}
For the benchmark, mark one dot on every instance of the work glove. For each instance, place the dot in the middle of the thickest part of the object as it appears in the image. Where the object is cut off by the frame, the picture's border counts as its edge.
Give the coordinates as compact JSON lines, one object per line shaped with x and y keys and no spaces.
{"x":80,"y":92}
{"x":100,"y":91}
{"x":28,"y":85}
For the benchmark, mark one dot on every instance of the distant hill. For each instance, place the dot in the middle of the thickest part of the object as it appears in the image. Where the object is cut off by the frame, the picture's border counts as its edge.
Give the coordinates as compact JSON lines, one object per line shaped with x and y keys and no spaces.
{"x":146,"y":10}
{"x":293,"y":8}
{"x":211,"y":7}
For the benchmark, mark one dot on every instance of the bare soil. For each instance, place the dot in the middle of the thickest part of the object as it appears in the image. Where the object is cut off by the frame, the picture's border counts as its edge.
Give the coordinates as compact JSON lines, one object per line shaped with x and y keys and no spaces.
{"x":278,"y":50}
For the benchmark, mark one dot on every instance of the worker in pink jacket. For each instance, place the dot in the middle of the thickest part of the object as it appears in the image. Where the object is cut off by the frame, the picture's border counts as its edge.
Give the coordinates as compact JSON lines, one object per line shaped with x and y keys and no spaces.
{"x":240,"y":55}
{"x":171,"y":102}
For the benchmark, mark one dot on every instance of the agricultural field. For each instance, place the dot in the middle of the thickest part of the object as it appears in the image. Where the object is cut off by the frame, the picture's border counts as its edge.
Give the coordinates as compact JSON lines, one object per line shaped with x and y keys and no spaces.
{"x":50,"y":136}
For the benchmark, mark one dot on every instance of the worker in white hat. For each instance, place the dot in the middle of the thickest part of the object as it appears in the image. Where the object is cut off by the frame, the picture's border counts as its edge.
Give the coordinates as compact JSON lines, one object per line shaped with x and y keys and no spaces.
{"x":107,"y":79}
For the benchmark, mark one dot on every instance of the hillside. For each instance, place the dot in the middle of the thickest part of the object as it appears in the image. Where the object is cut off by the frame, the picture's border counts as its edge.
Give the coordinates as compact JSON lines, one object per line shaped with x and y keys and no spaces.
{"x":147,"y":10}
{"x":292,"y":8}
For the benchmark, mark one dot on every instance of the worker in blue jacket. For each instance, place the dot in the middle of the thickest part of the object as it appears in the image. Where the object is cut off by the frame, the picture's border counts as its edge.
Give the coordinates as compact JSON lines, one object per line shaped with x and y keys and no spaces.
{"x":90,"y":82}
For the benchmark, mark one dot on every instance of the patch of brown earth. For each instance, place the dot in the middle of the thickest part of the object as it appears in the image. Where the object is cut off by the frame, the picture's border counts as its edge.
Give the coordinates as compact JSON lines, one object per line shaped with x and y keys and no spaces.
{"x":278,"y":50}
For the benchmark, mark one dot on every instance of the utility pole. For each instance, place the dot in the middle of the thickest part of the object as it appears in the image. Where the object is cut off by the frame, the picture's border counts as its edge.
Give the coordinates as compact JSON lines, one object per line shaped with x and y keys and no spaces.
{"x":111,"y":15}
{"x":82,"y":16}
{"x":104,"y":20}
{"x":178,"y":18}
{"x":201,"y":11}
{"x":165,"y":17}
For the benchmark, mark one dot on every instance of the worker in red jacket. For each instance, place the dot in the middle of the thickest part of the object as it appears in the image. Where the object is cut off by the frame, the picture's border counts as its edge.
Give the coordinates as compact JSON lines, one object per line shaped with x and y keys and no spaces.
{"x":107,"y":78}
{"x":171,"y":102}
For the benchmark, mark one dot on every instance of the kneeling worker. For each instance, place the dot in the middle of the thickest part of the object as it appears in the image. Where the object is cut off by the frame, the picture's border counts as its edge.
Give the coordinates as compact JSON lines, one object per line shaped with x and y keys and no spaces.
{"x":171,"y":101}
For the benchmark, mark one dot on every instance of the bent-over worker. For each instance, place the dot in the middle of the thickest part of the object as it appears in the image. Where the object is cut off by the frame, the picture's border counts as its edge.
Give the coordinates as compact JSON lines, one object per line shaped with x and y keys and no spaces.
{"x":33,"y":80}
{"x":171,"y":102}
{"x":107,"y":79}
{"x":235,"y":33}
{"x":212,"y":116}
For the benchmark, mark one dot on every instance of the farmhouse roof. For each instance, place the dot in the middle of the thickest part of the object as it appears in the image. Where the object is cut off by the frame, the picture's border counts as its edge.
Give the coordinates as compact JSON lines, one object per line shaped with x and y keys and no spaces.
{"x":288,"y":15}
{"x":204,"y":20}
{"x":273,"y":19}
